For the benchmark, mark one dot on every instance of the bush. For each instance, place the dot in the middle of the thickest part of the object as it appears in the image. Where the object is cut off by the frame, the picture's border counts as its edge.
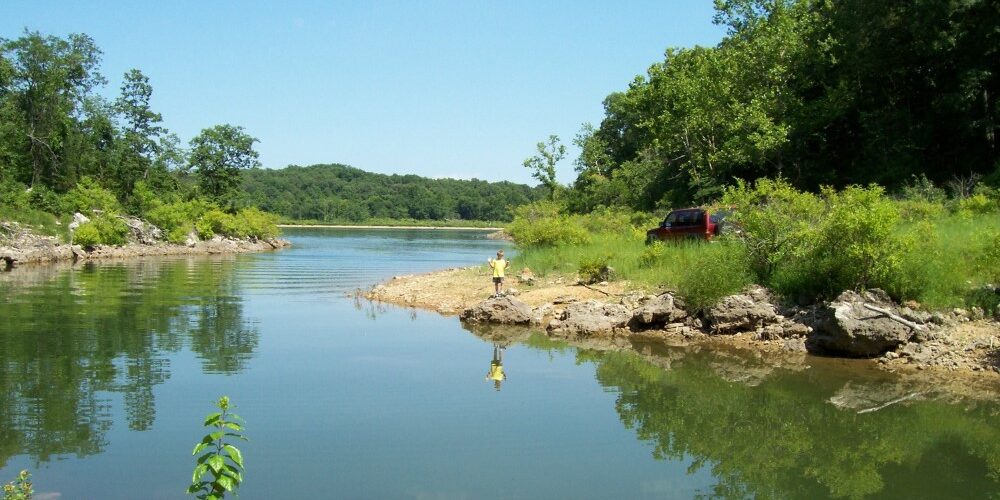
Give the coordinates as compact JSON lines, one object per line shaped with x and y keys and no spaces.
{"x":88,"y":196}
{"x":858,"y":247}
{"x":594,"y":269}
{"x":178,"y":219}
{"x":978,"y":204}
{"x":918,"y":210}
{"x":651,"y":254}
{"x":778,"y":223}
{"x":540,"y":224}
{"x":257,"y":224}
{"x":719,"y":270}
{"x":42,"y":198}
{"x":101,"y":230}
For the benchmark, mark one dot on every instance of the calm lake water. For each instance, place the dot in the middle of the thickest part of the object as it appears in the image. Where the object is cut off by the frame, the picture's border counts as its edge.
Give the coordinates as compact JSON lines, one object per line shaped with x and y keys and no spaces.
{"x":108,"y":369}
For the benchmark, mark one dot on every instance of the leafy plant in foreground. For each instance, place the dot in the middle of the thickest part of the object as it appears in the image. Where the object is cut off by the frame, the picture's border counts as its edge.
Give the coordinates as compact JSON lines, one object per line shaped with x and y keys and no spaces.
{"x":223,"y":461}
{"x":20,"y":488}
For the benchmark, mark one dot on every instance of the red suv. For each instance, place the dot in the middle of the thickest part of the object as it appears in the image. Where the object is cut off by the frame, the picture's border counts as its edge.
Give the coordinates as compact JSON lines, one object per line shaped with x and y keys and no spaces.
{"x":694,"y":223}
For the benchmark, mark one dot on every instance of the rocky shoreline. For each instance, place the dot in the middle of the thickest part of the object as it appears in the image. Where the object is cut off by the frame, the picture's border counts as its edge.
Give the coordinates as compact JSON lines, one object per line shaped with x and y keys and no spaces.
{"x":953,"y":345}
{"x":20,"y":246}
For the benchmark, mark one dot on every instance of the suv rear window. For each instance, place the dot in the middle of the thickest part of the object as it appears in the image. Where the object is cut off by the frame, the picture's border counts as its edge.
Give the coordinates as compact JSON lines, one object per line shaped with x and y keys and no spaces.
{"x":685,"y":218}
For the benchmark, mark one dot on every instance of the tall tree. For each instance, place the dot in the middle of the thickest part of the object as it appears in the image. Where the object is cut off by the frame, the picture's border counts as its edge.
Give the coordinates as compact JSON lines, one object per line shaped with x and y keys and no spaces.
{"x":218,"y":155}
{"x":543,"y":164}
{"x":46,"y":82}
{"x":139,"y":144}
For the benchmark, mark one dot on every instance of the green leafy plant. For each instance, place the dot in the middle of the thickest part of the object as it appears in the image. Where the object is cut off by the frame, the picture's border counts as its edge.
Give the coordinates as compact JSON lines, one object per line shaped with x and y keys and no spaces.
{"x":87,"y":196}
{"x":20,"y":488}
{"x":222,"y":462}
{"x":594,"y":269}
{"x":101,"y":230}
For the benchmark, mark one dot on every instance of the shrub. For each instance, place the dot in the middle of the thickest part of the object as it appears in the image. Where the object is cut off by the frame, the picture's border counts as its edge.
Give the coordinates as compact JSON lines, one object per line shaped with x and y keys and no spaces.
{"x":978,"y":203}
{"x":101,"y":230}
{"x":13,"y":194}
{"x":42,"y":198}
{"x":257,"y":224}
{"x":87,"y":235}
{"x":719,"y":270}
{"x":918,"y":210}
{"x":88,"y":196}
{"x":541,"y":224}
{"x":594,"y":269}
{"x":214,"y":222}
{"x":920,"y":188}
{"x":651,"y":254}
{"x":778,"y":223}
{"x":857,"y":246}
{"x":177,"y":219}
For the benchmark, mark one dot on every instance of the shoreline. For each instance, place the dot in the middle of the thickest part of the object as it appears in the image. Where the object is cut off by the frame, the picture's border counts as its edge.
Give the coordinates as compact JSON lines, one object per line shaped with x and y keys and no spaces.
{"x":961,"y":360}
{"x":45,"y":252}
{"x":347,"y":226}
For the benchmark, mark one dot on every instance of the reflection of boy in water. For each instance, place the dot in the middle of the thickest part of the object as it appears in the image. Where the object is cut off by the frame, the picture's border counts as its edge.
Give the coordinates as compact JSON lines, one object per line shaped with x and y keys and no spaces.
{"x":496,"y":373}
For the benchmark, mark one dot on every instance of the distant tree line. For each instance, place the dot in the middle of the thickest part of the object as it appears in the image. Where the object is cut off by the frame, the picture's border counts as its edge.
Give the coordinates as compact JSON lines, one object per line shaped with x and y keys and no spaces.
{"x":818,"y":92}
{"x":346,"y":194}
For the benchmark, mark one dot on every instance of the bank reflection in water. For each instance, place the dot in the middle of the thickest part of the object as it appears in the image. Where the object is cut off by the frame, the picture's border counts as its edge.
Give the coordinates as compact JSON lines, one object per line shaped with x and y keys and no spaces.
{"x":70,"y":335}
{"x":793,"y":428}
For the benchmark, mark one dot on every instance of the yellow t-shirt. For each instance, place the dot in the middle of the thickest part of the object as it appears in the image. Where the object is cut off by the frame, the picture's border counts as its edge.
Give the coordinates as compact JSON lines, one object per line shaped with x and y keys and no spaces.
{"x":496,"y":372}
{"x":498,"y":267}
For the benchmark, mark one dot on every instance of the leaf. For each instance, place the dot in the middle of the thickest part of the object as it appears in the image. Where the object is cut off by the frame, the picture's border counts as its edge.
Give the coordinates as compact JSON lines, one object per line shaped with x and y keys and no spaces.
{"x":198,"y":471}
{"x":205,"y":457}
{"x":198,"y":447}
{"x":215,"y":436}
{"x":234,"y":453}
{"x":216,"y":462}
{"x":226,"y":482}
{"x":234,"y":426}
{"x":213,"y":418}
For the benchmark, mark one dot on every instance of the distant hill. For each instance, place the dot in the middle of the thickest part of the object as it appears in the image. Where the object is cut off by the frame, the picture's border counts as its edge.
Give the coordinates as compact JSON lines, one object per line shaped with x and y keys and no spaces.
{"x":340,"y":193}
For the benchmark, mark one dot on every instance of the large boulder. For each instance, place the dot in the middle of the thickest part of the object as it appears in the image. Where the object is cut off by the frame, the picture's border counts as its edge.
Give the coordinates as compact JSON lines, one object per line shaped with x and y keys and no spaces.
{"x":502,"y":310}
{"x":589,"y":318}
{"x":141,"y":231}
{"x":847,"y":327}
{"x":743,"y":312}
{"x":657,"y":311}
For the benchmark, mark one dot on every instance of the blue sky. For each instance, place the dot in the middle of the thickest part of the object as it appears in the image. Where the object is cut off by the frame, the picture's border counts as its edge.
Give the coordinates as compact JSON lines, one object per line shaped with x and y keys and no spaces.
{"x":441,"y":89}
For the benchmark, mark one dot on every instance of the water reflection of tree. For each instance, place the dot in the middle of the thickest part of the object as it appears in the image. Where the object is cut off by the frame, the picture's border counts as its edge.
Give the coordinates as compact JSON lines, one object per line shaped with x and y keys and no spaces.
{"x":69,"y":335}
{"x":782,"y":439}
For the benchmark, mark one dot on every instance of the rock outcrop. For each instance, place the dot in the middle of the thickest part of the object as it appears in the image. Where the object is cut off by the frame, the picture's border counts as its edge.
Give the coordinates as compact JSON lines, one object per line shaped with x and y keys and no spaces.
{"x":743,"y":312}
{"x":846,"y":326}
{"x":588,"y":319}
{"x":657,"y":311}
{"x":500,"y":310}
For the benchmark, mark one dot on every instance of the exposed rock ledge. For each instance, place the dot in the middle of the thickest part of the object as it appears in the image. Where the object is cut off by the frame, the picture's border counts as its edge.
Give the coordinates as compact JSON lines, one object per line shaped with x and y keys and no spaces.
{"x":858,"y":325}
{"x":21,"y":247}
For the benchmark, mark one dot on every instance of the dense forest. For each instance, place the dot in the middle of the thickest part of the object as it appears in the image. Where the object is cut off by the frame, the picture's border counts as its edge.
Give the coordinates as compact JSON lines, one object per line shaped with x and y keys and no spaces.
{"x":818,"y":92}
{"x":345,"y":194}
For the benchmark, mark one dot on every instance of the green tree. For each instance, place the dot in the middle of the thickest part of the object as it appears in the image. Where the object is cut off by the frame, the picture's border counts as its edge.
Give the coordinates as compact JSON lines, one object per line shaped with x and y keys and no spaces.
{"x":543,"y":165}
{"x":139,"y":145}
{"x":46,"y":81}
{"x":218,"y":156}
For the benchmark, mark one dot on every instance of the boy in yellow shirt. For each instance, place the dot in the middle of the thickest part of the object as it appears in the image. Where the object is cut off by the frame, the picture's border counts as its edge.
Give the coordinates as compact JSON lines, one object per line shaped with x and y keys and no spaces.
{"x":498,"y":266}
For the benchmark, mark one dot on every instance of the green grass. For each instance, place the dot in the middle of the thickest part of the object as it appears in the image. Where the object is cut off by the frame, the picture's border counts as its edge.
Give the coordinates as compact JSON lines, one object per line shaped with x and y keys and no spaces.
{"x":946,"y":261}
{"x":702,"y":272}
{"x":40,"y":222}
{"x":951,"y":259}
